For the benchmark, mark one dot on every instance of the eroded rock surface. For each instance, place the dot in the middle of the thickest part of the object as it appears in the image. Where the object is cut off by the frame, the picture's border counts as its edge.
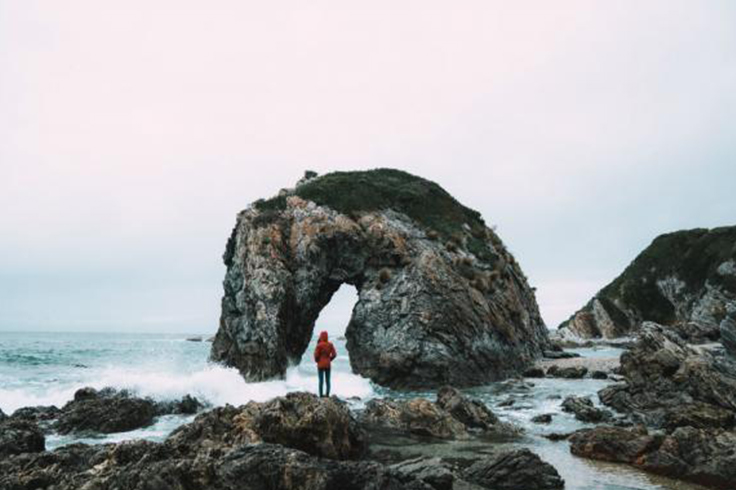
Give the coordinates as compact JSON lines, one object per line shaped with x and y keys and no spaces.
{"x":20,"y":436}
{"x":703,"y":456}
{"x":441,"y":299}
{"x":686,"y":278}
{"x":670,"y":383}
{"x":452,"y":416}
{"x":514,"y":470}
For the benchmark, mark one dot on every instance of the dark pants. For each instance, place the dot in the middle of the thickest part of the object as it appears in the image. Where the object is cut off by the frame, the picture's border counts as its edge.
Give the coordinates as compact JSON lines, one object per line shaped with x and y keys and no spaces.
{"x":324,"y":375}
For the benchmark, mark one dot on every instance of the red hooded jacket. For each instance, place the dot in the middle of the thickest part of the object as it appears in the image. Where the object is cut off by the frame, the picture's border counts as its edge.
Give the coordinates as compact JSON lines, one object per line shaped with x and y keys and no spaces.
{"x":325,"y":352}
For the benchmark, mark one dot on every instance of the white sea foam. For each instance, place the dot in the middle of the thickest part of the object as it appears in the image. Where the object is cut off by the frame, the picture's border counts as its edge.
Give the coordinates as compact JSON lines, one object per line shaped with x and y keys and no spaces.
{"x":213,"y":383}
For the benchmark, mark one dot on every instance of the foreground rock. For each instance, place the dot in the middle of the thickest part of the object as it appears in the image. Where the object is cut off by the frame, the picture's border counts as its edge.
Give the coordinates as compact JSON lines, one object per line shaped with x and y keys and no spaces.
{"x":514,"y":470}
{"x":20,"y":436}
{"x":670,"y":383}
{"x":440,"y":298}
{"x":321,"y":427}
{"x":104,"y":411}
{"x":453,"y":416}
{"x":686,"y":278}
{"x":431,"y":471}
{"x":706,"y":457}
{"x":148,"y":465}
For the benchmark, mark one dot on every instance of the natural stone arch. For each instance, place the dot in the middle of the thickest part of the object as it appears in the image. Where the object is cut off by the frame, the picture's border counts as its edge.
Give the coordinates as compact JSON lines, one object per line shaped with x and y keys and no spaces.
{"x":440,"y":299}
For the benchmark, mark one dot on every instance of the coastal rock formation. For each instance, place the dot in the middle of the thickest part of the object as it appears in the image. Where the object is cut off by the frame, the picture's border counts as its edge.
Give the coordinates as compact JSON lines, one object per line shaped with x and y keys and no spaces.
{"x":104,"y":411}
{"x":728,"y":333}
{"x":431,"y":471}
{"x":514,"y":470}
{"x":452,"y":416}
{"x":670,"y":383}
{"x":683,"y":277}
{"x":440,"y":298}
{"x":321,"y":427}
{"x":20,"y":436}
{"x":705,"y":457}
{"x":584,"y":410}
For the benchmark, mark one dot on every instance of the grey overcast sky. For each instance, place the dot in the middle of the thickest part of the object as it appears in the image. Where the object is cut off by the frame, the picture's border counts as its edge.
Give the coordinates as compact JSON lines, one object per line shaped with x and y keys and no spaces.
{"x":132,"y":132}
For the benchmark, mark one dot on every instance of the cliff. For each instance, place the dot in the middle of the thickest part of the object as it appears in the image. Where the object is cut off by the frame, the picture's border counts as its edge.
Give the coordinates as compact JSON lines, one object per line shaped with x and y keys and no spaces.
{"x":686,"y":277}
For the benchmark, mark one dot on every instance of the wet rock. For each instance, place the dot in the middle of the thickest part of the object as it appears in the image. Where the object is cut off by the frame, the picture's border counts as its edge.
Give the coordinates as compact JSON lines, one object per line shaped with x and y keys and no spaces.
{"x":105,"y":411}
{"x":698,"y":415}
{"x":614,"y":444}
{"x":685,"y":279}
{"x":43,"y":416}
{"x":534,"y":372}
{"x":188,"y":405}
{"x":440,"y":298}
{"x":728,"y":333}
{"x":417,"y":416}
{"x":472,"y":413}
{"x":665,"y":374}
{"x":572,"y":372}
{"x":599,"y":375}
{"x":20,"y":436}
{"x":703,"y":456}
{"x":544,"y":418}
{"x":557,"y":436}
{"x":429,"y":470}
{"x":140,"y":465}
{"x":514,"y":470}
{"x":319,"y":426}
{"x":584,"y":410}
{"x":507,"y":403}
{"x":551,"y":354}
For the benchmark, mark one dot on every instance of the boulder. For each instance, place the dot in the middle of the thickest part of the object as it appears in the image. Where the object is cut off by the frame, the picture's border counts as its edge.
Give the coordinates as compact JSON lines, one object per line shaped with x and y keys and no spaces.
{"x":514,"y":470}
{"x":685,"y":279}
{"x":534,"y":372}
{"x":572,"y":372}
{"x":20,"y":436}
{"x":188,"y":405}
{"x":322,"y":427}
{"x":584,"y":410}
{"x":441,"y":300}
{"x":417,"y":416}
{"x":599,"y":375}
{"x":544,"y":418}
{"x":105,"y":411}
{"x":474,"y":414}
{"x":431,"y":471}
{"x":702,"y":456}
{"x":553,"y":354}
{"x":670,"y":382}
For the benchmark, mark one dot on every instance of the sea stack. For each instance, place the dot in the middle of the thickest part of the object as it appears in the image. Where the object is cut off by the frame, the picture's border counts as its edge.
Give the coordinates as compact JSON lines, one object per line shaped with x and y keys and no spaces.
{"x":686,"y":278}
{"x":440,"y":298}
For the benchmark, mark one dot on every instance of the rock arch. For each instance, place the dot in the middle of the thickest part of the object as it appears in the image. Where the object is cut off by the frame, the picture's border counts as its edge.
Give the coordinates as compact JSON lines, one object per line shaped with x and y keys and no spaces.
{"x":440,"y":299}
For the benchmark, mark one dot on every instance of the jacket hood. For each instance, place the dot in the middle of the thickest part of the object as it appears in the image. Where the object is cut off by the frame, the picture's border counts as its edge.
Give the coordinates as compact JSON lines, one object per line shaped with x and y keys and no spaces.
{"x":323,"y":337}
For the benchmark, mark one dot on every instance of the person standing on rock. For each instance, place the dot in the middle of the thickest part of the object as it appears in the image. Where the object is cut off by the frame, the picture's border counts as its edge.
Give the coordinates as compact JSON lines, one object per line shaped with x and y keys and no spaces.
{"x":324,"y":354}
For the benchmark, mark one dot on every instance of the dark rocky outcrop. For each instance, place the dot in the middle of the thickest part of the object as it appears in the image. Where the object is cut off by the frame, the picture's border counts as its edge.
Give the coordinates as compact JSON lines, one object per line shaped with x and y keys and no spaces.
{"x":703,"y":456}
{"x":20,"y":436}
{"x":149,"y":465}
{"x":544,"y":418}
{"x":453,"y":416}
{"x":571,"y":372}
{"x":440,"y":298}
{"x":514,"y":470}
{"x":2,"y":416}
{"x":321,"y":427}
{"x":728,"y":333}
{"x":534,"y":372}
{"x":431,"y":471}
{"x":670,"y":383}
{"x":584,"y":410}
{"x":687,"y":278}
{"x":105,"y":411}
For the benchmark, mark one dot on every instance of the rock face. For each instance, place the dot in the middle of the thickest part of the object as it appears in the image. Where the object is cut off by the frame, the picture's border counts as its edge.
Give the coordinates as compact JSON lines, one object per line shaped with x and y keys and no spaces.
{"x":682,"y":277}
{"x":20,"y":436}
{"x":514,"y":470}
{"x":702,"y":456}
{"x":670,"y":383}
{"x":441,"y":300}
{"x":321,"y":427}
{"x":453,"y":416}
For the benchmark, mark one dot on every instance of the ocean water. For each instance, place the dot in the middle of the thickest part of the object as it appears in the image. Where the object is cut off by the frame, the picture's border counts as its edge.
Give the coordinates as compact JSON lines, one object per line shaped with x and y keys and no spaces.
{"x":47,"y":368}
